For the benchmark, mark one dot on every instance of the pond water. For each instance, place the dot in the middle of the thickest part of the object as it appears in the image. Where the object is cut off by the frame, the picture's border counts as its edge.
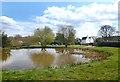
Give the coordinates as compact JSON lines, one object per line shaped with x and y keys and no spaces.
{"x":50,"y":57}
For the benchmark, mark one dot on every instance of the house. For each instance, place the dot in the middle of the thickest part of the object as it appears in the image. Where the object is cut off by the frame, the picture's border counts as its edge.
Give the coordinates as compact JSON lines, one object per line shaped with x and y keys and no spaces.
{"x":87,"y":40}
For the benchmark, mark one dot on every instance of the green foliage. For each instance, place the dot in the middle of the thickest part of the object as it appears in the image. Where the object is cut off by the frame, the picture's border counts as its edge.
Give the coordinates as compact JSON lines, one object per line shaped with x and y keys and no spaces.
{"x":98,"y":40}
{"x":44,"y":36}
{"x":112,"y":41}
{"x":5,"y":40}
{"x":16,"y":40}
{"x":59,"y":38}
{"x":27,"y":41}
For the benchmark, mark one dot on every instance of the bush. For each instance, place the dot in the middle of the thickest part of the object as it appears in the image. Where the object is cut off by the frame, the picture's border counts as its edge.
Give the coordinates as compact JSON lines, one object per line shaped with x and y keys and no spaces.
{"x":110,"y":44}
{"x":113,"y":41}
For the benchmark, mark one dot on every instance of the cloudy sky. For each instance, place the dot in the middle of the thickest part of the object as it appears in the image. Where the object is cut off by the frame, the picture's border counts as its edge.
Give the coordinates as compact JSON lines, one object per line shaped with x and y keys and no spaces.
{"x":87,"y":17}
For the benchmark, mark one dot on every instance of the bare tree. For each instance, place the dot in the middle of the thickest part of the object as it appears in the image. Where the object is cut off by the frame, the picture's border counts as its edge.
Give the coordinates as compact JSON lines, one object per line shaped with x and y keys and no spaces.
{"x":106,"y":31}
{"x":68,"y":34}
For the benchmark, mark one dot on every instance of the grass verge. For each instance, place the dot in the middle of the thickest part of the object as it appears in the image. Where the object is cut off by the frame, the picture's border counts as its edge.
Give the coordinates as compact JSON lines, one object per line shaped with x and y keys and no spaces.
{"x":98,"y":70}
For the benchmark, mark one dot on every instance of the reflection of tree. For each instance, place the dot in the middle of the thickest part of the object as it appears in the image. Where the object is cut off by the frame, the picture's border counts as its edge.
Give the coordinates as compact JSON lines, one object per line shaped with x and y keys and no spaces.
{"x":64,"y":50}
{"x":42,"y":59}
{"x":65,"y":59}
{"x":63,"y":56}
{"x":59,"y":50}
{"x":5,"y":54}
{"x":43,"y":49}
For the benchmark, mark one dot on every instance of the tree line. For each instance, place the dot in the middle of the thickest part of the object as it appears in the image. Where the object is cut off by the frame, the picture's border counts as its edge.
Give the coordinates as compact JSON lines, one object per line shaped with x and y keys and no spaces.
{"x":44,"y":36}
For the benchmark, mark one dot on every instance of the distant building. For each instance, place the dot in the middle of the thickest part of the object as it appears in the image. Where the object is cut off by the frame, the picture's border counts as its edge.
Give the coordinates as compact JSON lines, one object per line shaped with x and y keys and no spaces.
{"x":87,"y":40}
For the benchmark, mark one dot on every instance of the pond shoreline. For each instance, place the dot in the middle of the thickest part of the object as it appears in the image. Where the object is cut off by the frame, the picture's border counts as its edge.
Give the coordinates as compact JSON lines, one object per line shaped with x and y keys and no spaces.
{"x":62,"y":46}
{"x":48,"y":46}
{"x":49,"y":57}
{"x":99,"y":70}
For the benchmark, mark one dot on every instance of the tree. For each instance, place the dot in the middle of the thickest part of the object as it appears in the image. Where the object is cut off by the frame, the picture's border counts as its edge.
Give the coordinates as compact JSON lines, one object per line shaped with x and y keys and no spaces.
{"x":59,"y":38}
{"x":5,"y":40}
{"x":66,"y":35}
{"x":98,"y":41}
{"x":17,"y":40}
{"x":77,"y":41}
{"x":18,"y":37}
{"x":44,"y":36}
{"x":27,"y":41}
{"x":106,"y":31}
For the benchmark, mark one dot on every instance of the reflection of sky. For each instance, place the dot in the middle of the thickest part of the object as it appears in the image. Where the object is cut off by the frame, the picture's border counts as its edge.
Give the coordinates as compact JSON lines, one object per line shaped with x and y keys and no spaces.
{"x":21,"y":59}
{"x":18,"y":60}
{"x":80,"y":58}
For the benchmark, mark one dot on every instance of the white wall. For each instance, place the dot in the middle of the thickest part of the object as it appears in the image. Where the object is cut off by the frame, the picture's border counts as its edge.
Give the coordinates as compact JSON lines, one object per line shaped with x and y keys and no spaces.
{"x":88,"y":40}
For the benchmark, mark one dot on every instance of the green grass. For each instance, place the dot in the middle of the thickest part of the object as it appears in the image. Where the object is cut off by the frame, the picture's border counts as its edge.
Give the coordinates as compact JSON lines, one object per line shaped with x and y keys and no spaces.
{"x":97,"y":70}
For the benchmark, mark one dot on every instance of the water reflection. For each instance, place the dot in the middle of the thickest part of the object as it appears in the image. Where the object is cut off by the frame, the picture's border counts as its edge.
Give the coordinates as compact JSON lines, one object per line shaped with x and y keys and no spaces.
{"x":39,"y":58}
{"x":69,"y":51}
{"x":43,"y":59}
{"x":4,"y":55}
{"x":65,"y":50}
{"x":64,"y":57}
{"x":57,"y":57}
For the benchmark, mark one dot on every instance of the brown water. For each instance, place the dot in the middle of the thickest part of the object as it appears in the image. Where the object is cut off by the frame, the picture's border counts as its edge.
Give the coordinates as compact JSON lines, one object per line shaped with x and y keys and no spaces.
{"x":37,"y":58}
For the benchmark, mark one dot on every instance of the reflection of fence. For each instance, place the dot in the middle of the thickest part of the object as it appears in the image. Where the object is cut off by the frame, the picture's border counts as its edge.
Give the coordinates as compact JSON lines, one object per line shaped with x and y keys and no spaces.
{"x":110,"y":44}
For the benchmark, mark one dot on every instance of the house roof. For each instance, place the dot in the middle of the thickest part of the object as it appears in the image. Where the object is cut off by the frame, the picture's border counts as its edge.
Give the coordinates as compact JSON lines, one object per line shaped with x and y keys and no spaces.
{"x":84,"y":38}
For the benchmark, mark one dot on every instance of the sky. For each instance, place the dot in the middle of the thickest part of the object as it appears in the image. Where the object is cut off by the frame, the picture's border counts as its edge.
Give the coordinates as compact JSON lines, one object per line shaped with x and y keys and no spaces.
{"x":86,"y":17}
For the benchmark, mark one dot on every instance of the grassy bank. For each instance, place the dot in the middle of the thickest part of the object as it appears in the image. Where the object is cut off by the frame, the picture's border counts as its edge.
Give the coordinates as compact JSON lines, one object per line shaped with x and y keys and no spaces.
{"x":98,"y":70}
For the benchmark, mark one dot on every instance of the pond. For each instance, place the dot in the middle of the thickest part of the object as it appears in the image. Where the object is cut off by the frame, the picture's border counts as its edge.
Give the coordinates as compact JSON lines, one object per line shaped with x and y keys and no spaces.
{"x":44,"y":58}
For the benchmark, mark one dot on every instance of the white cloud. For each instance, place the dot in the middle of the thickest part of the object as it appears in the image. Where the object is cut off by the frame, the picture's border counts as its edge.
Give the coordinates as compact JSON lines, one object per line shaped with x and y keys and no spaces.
{"x":70,"y":7}
{"x":87,"y":29}
{"x":13,"y":27}
{"x":53,"y":27}
{"x":8,"y":23}
{"x":42,"y":19}
{"x":87,"y":19}
{"x":7,"y":20}
{"x":92,"y":12}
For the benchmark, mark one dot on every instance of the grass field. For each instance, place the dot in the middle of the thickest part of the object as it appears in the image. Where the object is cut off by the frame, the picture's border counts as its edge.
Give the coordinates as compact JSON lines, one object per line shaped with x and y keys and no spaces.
{"x":97,"y":70}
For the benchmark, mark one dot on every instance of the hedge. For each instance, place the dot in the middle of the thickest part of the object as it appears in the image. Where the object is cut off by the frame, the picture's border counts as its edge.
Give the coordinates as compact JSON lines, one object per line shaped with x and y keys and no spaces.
{"x":110,"y":44}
